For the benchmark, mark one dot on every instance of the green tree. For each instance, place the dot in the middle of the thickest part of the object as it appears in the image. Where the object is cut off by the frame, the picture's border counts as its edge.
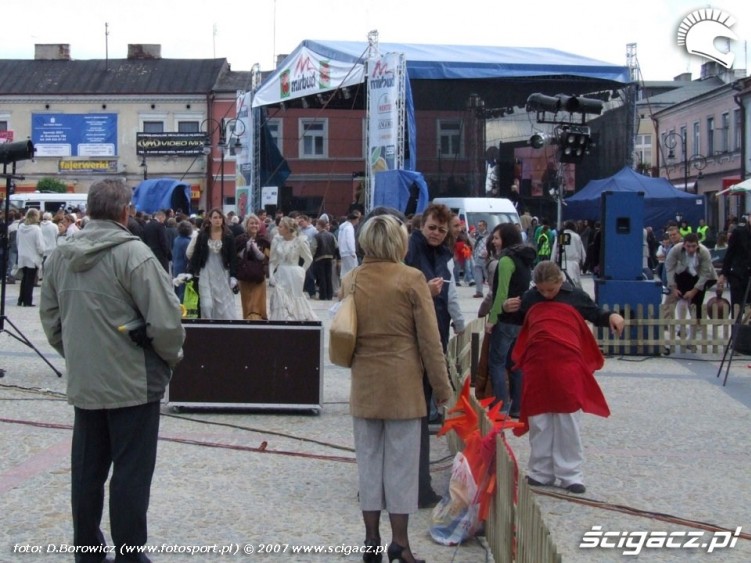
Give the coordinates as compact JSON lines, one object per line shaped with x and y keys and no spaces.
{"x":52,"y":185}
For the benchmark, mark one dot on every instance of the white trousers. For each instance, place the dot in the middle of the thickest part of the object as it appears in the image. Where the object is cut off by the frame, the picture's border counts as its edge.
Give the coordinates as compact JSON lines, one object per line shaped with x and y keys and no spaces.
{"x":555,"y":449}
{"x":388,"y":463}
{"x":348,"y":263}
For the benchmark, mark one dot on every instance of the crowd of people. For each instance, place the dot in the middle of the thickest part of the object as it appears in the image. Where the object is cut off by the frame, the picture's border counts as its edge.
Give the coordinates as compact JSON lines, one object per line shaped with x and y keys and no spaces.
{"x":275,"y":264}
{"x":404,"y":272}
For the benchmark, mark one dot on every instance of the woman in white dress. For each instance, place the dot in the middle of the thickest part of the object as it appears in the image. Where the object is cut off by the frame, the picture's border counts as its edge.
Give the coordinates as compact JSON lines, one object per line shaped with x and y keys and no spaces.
{"x":287,"y":276}
{"x":30,"y":243}
{"x":212,"y":258}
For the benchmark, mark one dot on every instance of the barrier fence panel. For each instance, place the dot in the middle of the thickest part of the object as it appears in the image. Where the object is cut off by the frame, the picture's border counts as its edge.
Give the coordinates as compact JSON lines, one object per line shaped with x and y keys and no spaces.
{"x":515,"y":529}
{"x":653,"y":331}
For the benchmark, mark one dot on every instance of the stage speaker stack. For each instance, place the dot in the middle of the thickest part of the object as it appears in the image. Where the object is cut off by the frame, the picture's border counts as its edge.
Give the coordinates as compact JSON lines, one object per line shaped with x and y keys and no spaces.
{"x":622,"y":223}
{"x":622,"y":280}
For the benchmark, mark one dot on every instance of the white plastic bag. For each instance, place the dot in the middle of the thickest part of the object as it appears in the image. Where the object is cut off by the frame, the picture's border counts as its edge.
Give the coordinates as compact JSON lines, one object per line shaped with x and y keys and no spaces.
{"x":456,"y":517}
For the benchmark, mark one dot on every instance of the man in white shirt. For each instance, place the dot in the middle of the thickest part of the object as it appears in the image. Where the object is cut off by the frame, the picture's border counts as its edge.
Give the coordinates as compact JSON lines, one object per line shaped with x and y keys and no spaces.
{"x":347,"y":243}
{"x":574,"y":254}
{"x":49,"y":235}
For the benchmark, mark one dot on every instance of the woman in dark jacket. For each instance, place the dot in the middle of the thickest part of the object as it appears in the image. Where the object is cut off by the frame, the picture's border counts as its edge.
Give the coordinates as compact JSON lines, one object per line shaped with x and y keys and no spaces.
{"x":513,"y":278}
{"x":179,"y":257}
{"x":213,"y":259}
{"x":250,"y":246}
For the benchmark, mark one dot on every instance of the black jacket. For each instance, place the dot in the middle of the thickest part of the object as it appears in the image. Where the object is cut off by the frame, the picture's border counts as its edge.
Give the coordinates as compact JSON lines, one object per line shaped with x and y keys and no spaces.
{"x":737,"y":260}
{"x":574,"y":296}
{"x":523,"y":256}
{"x":155,"y":237}
{"x":433,"y":261}
{"x":201,"y":254}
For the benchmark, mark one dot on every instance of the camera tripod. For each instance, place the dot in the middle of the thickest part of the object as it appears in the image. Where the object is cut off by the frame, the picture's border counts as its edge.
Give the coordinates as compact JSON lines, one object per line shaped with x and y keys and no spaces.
{"x":735,"y":331}
{"x":15,"y":332}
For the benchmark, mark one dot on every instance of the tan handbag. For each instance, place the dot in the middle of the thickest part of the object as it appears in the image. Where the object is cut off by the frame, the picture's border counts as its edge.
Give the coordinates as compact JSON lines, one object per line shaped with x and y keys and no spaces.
{"x":343,"y":330}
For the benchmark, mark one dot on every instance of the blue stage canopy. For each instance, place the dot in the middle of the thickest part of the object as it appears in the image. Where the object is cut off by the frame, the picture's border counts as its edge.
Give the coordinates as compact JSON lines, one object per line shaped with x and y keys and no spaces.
{"x":662,"y":201}
{"x":477,"y":67}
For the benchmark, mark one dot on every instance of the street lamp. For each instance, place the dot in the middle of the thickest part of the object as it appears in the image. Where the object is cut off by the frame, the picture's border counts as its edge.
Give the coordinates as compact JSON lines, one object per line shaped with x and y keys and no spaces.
{"x":145,"y":167}
{"x":236,"y":129}
{"x":697,"y":161}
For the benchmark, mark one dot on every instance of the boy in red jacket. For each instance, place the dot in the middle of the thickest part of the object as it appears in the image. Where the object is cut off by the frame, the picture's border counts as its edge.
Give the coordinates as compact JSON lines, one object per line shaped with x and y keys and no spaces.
{"x":558,"y":355}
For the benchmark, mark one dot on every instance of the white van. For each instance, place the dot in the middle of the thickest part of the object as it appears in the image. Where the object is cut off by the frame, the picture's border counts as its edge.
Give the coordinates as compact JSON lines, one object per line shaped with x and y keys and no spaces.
{"x":51,"y":202}
{"x":471,"y":210}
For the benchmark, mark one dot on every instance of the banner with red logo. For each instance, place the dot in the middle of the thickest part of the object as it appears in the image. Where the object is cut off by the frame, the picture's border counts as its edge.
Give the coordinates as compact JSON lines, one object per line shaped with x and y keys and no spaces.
{"x":304,"y":73}
{"x":383,"y":112}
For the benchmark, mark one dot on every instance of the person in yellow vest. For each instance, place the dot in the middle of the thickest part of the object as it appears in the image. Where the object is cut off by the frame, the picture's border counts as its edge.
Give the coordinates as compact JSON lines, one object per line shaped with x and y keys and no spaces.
{"x":684,"y":228}
{"x":702,"y":230}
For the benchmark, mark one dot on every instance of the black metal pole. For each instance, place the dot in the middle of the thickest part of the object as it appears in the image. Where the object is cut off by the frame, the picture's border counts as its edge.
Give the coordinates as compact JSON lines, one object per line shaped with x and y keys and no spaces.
{"x":684,"y":142}
{"x":4,"y":242}
{"x":221,"y":180}
{"x":15,"y":333}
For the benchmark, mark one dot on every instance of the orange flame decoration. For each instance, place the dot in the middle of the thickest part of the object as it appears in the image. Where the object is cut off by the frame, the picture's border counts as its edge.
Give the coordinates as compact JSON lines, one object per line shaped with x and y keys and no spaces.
{"x":480,"y":450}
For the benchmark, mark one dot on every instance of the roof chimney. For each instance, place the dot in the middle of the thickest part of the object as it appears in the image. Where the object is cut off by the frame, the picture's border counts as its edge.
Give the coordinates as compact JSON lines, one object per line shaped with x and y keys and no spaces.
{"x":144,"y":51}
{"x":52,"y":52}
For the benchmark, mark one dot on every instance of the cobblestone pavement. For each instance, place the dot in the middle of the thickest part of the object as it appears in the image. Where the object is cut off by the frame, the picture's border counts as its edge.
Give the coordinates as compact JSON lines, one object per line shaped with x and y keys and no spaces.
{"x":677,"y":443}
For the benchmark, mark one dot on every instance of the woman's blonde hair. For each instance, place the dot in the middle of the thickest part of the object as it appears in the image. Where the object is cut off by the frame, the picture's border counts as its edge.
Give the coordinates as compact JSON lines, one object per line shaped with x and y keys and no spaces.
{"x":32,"y":217}
{"x":291,"y":225}
{"x":384,"y":237}
{"x":248,"y":218}
{"x":547,"y":271}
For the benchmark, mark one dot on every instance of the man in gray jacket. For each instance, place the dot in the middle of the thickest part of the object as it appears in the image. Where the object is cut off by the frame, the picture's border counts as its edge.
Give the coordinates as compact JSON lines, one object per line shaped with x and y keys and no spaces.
{"x":109,"y":308}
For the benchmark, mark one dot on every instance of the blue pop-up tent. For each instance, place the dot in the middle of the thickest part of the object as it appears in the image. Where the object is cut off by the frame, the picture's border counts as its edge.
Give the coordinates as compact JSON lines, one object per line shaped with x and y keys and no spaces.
{"x":404,"y":190}
{"x":662,"y":201}
{"x":162,"y":193}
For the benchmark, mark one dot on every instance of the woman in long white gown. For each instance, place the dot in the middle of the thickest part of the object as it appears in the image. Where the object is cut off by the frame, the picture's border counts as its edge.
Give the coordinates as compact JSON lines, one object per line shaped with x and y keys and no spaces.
{"x":287,"y":276}
{"x":212,"y":258}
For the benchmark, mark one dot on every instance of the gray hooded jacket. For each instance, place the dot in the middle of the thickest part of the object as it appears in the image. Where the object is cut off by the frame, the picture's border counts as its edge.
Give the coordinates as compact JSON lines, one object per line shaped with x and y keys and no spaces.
{"x":105,"y":277}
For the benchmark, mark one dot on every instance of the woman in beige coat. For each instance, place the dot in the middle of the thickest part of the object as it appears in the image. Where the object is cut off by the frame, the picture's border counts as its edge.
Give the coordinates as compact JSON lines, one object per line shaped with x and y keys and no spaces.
{"x":397,"y":338}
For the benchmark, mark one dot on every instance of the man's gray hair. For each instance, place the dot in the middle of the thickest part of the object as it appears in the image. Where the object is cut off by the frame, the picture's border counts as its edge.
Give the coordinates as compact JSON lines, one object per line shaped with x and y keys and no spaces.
{"x":107,"y":199}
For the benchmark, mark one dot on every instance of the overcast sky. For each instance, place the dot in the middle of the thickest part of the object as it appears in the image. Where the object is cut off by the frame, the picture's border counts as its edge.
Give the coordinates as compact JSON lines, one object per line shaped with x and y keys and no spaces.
{"x":254,"y":31}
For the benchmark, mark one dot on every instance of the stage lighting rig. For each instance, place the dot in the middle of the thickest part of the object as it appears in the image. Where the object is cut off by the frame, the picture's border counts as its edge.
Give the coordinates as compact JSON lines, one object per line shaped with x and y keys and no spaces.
{"x":13,"y":152}
{"x":573,"y":142}
{"x":543,"y":104}
{"x":539,"y":140}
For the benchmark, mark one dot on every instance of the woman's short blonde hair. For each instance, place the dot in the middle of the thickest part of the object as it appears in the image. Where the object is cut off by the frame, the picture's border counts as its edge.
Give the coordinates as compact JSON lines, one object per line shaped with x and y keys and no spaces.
{"x":248,"y":218}
{"x":384,"y":237}
{"x":547,"y":271}
{"x":291,"y":225}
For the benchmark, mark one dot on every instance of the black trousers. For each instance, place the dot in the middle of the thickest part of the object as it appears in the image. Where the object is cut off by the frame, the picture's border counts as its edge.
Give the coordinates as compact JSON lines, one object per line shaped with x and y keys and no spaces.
{"x":322,"y":272}
{"x":425,"y":486}
{"x":737,"y":290}
{"x":686,"y":282}
{"x":309,"y":286}
{"x":125,"y":439}
{"x":26,"y":294}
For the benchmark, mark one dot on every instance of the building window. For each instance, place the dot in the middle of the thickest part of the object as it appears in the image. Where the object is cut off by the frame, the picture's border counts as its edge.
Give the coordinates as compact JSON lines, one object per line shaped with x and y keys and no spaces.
{"x":738,"y":129}
{"x":188,"y":126}
{"x":313,"y":138}
{"x":449,"y":138}
{"x":275,"y":130}
{"x":710,"y":136}
{"x":643,"y":149}
{"x":725,"y":133}
{"x":696,"y":138}
{"x":152,"y":126}
{"x":3,"y":125}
